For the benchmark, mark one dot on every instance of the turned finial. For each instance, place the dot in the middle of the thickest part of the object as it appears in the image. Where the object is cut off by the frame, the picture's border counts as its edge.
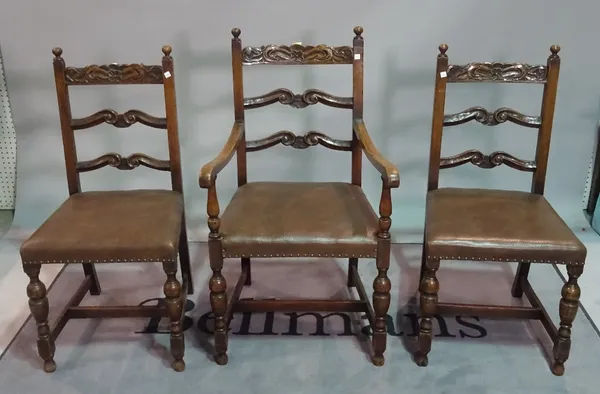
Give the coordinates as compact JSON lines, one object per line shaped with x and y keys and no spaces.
{"x":235,"y":32}
{"x":555,"y":49}
{"x":57,"y":51}
{"x":167,"y":50}
{"x":358,"y":30}
{"x":443,"y":48}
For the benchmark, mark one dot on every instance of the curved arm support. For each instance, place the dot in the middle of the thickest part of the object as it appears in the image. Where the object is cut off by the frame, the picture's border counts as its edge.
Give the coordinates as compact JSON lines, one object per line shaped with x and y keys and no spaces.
{"x":388,"y":171}
{"x":209,"y":171}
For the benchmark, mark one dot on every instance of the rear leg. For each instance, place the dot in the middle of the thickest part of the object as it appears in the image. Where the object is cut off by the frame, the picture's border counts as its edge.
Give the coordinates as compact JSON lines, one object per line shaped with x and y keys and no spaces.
{"x":246,"y":266}
{"x":90,"y":270}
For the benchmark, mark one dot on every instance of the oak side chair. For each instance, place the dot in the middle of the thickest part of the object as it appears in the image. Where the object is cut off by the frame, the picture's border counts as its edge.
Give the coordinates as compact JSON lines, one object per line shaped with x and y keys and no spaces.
{"x":497,"y":225}
{"x":299,"y":219}
{"x":126,"y":226}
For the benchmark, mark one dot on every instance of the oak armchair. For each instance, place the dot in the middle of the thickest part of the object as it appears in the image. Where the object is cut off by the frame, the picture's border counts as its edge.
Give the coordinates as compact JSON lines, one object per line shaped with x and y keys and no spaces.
{"x":299,"y":219}
{"x":497,"y":225}
{"x":150,"y":223}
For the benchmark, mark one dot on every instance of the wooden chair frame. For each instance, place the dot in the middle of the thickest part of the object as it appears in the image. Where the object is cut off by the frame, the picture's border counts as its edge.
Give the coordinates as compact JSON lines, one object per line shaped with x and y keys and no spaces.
{"x":114,"y":74}
{"x":298,"y":54}
{"x":429,"y":286}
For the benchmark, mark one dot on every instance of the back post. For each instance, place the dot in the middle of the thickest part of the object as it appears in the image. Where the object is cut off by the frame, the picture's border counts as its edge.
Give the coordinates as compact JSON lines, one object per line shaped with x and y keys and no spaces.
{"x":547,"y":114}
{"x":64,"y":110}
{"x":437,"y":127}
{"x":68,"y":137}
{"x":357,"y":102}
{"x":538,"y":182}
{"x":172,"y":123}
{"x":238,"y":101}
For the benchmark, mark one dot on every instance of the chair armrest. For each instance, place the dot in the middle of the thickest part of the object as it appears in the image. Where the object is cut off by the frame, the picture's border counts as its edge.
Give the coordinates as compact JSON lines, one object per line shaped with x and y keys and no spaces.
{"x":388,"y":171}
{"x":209,"y":171}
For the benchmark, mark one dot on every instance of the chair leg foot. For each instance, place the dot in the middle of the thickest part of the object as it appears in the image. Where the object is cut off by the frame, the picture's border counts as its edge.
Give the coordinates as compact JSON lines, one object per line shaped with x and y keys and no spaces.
{"x":558,"y":368}
{"x":49,"y":366}
{"x":221,"y":359}
{"x":378,"y":361}
{"x":517,"y":293}
{"x":421,"y":359}
{"x":178,"y":365}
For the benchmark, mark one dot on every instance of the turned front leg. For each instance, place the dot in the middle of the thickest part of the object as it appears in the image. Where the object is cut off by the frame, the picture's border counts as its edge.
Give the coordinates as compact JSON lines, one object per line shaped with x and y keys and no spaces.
{"x":174,"y":302}
{"x":381,"y":302}
{"x":218,"y":302}
{"x":381,"y":284}
{"x":429,"y":289}
{"x":217,"y":283}
{"x":568,"y":306}
{"x":39,"y":307}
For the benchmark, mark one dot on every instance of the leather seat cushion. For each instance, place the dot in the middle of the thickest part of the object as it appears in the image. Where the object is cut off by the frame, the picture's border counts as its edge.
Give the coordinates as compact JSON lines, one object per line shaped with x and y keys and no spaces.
{"x":479,"y":224}
{"x":109,"y":226}
{"x":294,"y":219}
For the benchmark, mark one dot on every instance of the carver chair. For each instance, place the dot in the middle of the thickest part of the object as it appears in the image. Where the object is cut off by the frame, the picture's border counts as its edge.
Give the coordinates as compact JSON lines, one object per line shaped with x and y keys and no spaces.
{"x":497,"y":225}
{"x":126,"y":226}
{"x":299,"y":219}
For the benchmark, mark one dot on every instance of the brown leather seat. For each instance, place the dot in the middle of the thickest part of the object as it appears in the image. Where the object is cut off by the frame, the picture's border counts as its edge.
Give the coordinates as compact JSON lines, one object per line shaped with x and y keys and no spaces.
{"x":476,"y":224}
{"x":287,"y":219}
{"x":125,"y":226}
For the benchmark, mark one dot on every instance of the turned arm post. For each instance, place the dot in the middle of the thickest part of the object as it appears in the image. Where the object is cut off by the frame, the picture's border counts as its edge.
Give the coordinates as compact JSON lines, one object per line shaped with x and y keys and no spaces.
{"x":212,"y":209}
{"x":385,"y":210}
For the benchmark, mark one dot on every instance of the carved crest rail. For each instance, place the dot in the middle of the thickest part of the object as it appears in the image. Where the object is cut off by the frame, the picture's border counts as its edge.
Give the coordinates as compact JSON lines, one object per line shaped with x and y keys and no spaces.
{"x":497,"y":72}
{"x":112,"y":74}
{"x":297,"y":54}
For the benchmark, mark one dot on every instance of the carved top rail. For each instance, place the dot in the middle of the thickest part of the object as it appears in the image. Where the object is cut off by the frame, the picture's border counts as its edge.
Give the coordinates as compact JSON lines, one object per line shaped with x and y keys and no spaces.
{"x":308,"y":97}
{"x":498,"y":71}
{"x":481,"y":160}
{"x":287,"y":138}
{"x":484,"y":117}
{"x":114,"y":74}
{"x":123,"y":163}
{"x":116,"y":119}
{"x":297,"y":54}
